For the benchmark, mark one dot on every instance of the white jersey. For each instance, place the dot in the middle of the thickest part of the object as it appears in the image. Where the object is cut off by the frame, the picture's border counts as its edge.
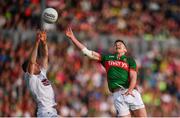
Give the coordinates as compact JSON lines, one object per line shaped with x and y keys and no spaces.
{"x":41,"y":90}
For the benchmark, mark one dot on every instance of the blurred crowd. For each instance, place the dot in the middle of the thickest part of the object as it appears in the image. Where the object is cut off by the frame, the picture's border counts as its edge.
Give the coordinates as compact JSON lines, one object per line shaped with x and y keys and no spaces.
{"x":145,"y":18}
{"x":80,"y":83}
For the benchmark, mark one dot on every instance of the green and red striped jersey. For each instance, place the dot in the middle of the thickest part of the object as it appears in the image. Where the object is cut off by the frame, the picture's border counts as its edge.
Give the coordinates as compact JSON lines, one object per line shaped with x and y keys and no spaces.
{"x":118,"y":70}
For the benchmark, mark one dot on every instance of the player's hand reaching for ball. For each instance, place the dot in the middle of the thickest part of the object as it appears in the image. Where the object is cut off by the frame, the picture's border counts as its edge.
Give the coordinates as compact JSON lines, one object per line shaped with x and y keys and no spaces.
{"x":43,"y":37}
{"x":69,"y":33}
{"x":38,"y":36}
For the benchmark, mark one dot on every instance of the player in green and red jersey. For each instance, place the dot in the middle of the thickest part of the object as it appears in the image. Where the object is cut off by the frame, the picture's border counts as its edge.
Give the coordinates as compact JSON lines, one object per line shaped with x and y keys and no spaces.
{"x":118,"y":69}
{"x":121,"y":77}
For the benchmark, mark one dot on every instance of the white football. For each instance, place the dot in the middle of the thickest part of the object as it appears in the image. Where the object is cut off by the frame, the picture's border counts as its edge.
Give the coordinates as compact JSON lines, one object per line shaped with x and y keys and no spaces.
{"x":50,"y":15}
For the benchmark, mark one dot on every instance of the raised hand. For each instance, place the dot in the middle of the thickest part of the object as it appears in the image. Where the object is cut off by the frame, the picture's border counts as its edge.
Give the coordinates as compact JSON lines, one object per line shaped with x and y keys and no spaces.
{"x":43,"y":36}
{"x":69,"y":32}
{"x":38,"y":36}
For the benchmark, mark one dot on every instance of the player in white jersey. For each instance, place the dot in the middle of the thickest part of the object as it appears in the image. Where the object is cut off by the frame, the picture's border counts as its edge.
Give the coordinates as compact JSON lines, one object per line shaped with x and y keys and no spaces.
{"x":36,"y":79}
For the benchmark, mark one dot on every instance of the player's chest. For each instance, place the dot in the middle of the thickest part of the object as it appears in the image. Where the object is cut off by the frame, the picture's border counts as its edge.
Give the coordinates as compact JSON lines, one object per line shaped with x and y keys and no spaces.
{"x":43,"y":80}
{"x":116,"y":63}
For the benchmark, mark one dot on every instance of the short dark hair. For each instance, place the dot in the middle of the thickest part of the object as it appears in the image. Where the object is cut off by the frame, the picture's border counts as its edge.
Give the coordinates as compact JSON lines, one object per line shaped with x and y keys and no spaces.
{"x":120,"y":41}
{"x":25,"y":65}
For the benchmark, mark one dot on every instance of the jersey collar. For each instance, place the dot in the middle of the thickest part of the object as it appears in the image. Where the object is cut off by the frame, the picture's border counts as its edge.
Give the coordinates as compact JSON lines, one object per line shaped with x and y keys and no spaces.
{"x":123,"y":57}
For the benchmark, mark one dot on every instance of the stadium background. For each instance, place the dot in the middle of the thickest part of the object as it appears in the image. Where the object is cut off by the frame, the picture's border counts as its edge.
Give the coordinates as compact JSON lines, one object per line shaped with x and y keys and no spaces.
{"x":151,"y":28}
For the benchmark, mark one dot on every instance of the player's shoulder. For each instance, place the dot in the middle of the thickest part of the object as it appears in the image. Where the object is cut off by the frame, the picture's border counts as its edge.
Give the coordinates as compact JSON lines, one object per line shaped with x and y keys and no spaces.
{"x":108,"y":56}
{"x":128,"y":56}
{"x":27,"y":76}
{"x":130,"y":59}
{"x":43,"y":71}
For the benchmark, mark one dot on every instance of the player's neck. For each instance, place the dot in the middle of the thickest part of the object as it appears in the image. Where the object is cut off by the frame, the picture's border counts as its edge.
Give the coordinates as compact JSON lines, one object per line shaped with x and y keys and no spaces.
{"x":120,"y":54}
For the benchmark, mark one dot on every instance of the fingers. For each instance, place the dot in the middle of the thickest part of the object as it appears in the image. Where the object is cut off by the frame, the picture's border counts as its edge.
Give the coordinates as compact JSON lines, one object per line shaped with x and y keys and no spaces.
{"x":69,"y":32}
{"x":38,"y":36}
{"x":40,"y":32}
{"x":41,"y":35}
{"x":69,"y":28}
{"x":128,"y":93}
{"x":44,"y":31}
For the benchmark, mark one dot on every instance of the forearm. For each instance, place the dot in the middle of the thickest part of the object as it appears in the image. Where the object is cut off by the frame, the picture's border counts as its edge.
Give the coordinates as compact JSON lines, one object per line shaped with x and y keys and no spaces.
{"x":77,"y":43}
{"x":45,"y":55}
{"x":33,"y":56}
{"x":133,"y":80}
{"x":132,"y":84}
{"x":45,"y":50}
{"x":91,"y":54}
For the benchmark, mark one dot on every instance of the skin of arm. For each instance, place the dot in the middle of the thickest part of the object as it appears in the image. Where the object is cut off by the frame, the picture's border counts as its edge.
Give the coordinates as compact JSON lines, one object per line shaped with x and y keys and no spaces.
{"x":45,"y":49}
{"x":133,"y":80}
{"x":92,"y":54}
{"x":33,"y":55}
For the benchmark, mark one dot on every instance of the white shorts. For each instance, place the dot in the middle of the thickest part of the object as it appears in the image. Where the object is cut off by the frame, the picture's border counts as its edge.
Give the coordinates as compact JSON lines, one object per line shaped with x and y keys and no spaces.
{"x":47,"y":113}
{"x":124,"y":104}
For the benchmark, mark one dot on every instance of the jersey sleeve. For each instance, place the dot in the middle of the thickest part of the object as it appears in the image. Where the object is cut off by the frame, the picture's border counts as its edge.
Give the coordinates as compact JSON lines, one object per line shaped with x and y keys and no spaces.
{"x":132,"y":64}
{"x":28,"y":75}
{"x":44,"y":71}
{"x":102,"y":59}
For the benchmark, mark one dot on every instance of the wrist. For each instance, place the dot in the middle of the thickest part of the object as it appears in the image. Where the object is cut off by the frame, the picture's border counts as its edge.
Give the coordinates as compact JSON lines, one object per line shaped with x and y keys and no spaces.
{"x":73,"y":37}
{"x":130,"y":89}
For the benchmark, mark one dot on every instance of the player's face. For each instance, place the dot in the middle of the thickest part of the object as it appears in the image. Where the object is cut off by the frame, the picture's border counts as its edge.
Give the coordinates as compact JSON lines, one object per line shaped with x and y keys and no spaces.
{"x":120,"y":47}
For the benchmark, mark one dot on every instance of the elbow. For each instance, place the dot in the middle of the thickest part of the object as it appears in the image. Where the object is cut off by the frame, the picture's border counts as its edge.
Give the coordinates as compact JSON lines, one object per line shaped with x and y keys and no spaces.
{"x":88,"y":53}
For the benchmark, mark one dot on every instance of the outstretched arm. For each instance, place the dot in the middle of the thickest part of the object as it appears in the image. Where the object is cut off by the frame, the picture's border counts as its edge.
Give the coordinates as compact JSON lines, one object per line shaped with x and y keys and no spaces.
{"x":33,"y":56}
{"x":91,"y":54}
{"x":45,"y":49}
